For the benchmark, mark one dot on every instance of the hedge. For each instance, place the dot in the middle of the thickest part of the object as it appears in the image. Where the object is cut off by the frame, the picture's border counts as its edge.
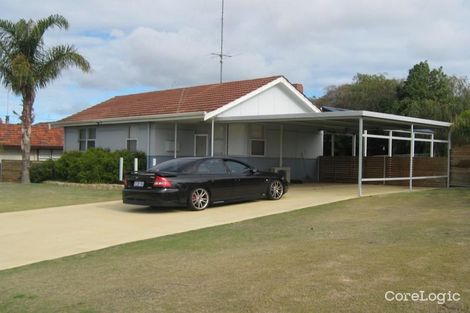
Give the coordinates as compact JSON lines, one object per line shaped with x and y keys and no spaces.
{"x":96,"y":165}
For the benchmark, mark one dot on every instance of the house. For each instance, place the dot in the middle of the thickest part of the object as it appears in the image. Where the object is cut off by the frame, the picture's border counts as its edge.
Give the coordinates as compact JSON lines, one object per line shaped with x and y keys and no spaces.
{"x":46,"y":142}
{"x":153,"y":122}
{"x":267,"y":122}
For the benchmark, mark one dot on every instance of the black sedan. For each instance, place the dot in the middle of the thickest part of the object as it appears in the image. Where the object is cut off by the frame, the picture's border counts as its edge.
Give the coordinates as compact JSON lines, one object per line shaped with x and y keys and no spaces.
{"x":200,"y":182}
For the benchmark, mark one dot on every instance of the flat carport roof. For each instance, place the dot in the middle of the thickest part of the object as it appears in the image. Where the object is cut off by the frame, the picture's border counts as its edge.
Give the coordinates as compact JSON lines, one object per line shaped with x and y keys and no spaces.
{"x":344,"y":121}
{"x":362,"y":122}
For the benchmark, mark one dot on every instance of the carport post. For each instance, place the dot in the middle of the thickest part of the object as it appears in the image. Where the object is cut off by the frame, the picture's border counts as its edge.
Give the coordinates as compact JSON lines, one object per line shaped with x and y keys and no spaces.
{"x":431,"y":149}
{"x":390,"y":143}
{"x":281,"y":135}
{"x":365,"y":143}
{"x":412,"y":154}
{"x":332,"y":144}
{"x":212,"y":138}
{"x":175,"y":140}
{"x":449,"y":150}
{"x":354,"y":145}
{"x":359,"y":168}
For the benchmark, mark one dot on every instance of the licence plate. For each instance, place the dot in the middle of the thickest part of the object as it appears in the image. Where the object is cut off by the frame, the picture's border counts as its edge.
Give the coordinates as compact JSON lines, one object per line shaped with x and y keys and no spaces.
{"x":138,"y":183}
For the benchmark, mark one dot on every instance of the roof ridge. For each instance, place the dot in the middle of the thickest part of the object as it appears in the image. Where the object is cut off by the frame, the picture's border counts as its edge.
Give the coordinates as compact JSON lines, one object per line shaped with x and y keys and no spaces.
{"x":197,"y":86}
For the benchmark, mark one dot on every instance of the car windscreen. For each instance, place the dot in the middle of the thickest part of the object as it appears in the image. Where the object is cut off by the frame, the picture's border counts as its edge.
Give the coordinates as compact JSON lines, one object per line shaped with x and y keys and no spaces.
{"x":174,"y":166}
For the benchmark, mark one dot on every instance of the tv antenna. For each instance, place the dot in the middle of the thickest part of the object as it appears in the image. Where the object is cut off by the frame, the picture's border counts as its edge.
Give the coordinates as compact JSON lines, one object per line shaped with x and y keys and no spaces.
{"x":221,"y":55}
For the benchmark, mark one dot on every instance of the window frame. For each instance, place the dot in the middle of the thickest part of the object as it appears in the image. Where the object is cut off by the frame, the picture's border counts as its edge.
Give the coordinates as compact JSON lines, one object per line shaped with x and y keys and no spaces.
{"x":87,"y":140}
{"x":250,"y":147}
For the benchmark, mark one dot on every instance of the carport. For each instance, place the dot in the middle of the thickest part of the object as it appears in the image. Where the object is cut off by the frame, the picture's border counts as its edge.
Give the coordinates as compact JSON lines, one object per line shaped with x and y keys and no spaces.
{"x":363,"y":126}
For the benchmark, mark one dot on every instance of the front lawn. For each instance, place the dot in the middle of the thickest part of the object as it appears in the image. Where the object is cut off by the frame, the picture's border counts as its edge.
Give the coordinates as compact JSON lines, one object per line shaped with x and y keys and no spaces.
{"x":341,"y":257}
{"x":18,"y":197}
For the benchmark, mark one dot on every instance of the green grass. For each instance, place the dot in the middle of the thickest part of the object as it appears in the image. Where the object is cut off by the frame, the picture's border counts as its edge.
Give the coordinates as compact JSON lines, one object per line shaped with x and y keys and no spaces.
{"x":340,"y":257}
{"x":19,"y":197}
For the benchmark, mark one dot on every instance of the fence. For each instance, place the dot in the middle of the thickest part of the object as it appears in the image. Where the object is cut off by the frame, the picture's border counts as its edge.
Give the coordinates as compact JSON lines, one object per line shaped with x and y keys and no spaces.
{"x":460,"y":166}
{"x":343,"y":169}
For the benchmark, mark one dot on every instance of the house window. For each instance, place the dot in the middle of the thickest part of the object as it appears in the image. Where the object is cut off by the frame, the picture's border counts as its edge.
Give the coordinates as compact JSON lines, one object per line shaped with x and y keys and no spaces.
{"x":257,"y":147}
{"x":132,"y":145}
{"x":131,"y":139}
{"x":87,"y":138}
{"x":257,"y":142}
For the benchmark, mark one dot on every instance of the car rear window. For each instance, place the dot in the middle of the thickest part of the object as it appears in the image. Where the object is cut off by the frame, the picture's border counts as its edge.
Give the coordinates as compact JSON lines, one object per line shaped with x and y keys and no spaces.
{"x":174,"y":166}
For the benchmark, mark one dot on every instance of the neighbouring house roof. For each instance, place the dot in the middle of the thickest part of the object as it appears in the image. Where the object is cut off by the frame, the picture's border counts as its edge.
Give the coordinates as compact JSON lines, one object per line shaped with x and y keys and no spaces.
{"x":197,"y":99}
{"x":42,"y":136}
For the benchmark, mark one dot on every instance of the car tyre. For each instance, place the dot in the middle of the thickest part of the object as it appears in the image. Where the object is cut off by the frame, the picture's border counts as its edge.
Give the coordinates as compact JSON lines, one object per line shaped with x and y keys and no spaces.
{"x":275,"y":190}
{"x":199,"y":199}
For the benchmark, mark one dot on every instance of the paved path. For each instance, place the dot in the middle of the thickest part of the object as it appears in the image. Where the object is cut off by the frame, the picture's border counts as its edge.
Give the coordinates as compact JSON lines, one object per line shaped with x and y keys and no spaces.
{"x":36,"y":235}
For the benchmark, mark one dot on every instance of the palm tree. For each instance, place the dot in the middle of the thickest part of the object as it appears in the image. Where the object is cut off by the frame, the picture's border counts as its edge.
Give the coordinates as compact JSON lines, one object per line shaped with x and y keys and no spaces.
{"x":26,"y":66}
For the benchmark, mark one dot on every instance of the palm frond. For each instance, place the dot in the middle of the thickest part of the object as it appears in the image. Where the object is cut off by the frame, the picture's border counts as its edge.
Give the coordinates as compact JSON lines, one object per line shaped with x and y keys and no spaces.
{"x":57,"y":59}
{"x":44,"y":24}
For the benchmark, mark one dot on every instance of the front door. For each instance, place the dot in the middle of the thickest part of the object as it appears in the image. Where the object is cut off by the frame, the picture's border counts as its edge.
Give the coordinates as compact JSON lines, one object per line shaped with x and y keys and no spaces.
{"x":200,"y":145}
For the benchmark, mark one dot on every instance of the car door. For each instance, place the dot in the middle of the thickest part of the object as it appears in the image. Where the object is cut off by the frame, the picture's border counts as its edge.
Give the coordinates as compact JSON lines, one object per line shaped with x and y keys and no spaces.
{"x":248,"y":183}
{"x":214,"y":173}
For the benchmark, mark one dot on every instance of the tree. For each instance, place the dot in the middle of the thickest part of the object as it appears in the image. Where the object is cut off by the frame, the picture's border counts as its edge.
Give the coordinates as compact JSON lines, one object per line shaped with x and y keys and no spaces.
{"x":461,"y":128}
{"x":26,"y":65}
{"x":373,"y":92}
{"x":428,"y":93}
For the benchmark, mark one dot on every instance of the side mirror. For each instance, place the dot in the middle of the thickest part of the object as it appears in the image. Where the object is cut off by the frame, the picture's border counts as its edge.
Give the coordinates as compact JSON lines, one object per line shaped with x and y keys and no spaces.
{"x":254,"y":171}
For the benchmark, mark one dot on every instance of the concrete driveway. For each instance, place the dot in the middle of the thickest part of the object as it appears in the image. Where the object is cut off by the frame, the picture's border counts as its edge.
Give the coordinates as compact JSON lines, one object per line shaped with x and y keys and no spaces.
{"x":37,"y":235}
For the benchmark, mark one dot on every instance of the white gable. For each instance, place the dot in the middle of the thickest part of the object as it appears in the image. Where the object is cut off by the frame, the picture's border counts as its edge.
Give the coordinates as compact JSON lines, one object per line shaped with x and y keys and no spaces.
{"x":277,"y":97}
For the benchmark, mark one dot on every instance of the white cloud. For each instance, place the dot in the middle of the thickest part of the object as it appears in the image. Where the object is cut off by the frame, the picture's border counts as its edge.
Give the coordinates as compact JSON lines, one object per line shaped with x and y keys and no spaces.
{"x":143,"y":44}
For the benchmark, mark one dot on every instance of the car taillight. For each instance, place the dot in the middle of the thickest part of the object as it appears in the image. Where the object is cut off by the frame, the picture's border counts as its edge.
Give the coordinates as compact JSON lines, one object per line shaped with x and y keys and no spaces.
{"x":162,"y":182}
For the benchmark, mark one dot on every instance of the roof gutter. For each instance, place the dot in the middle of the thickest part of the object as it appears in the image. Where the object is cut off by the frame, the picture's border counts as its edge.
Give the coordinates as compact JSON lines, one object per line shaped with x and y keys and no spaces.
{"x":134,"y":119}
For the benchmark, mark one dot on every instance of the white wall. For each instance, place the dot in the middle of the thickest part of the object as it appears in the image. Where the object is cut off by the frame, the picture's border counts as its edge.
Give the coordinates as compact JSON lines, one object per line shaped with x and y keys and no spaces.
{"x":275,"y":100}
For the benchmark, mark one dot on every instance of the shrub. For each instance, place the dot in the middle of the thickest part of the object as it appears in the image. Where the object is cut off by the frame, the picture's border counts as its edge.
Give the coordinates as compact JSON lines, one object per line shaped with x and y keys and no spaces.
{"x":42,"y":171}
{"x":96,"y":165}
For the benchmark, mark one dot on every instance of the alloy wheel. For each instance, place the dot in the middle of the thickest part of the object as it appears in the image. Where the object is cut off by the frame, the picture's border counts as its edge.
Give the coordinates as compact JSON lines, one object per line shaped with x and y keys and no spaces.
{"x":199,"y":199}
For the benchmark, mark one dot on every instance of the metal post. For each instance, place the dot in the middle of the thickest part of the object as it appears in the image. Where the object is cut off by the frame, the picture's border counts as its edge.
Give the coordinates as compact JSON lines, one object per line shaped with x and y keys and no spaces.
{"x":148,"y":144}
{"x":121,"y":168}
{"x":365,"y":143}
{"x":431,"y":152}
{"x":175,"y":148}
{"x":354,"y":145}
{"x":332,"y":144}
{"x":359,"y":168}
{"x":136,"y":164}
{"x":390,"y":143}
{"x":281,"y":135}
{"x":449,"y":150}
{"x":412,"y":154}
{"x":212,"y":138}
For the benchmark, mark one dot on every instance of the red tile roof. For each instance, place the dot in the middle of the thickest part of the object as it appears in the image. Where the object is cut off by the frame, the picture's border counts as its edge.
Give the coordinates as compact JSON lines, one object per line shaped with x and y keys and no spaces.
{"x":204,"y":98}
{"x":42,"y":136}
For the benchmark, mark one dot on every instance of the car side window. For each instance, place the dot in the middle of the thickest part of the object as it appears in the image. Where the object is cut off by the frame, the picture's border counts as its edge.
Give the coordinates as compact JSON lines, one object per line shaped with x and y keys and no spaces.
{"x":237,"y":167}
{"x":212,"y":166}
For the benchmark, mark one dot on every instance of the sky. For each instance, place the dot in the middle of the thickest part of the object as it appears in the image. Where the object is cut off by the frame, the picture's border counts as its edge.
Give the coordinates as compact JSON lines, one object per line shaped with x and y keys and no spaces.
{"x":143,"y":45}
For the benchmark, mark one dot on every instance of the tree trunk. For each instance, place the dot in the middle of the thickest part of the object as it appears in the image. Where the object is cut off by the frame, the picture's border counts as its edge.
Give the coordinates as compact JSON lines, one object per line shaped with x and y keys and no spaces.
{"x":26,"y":122}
